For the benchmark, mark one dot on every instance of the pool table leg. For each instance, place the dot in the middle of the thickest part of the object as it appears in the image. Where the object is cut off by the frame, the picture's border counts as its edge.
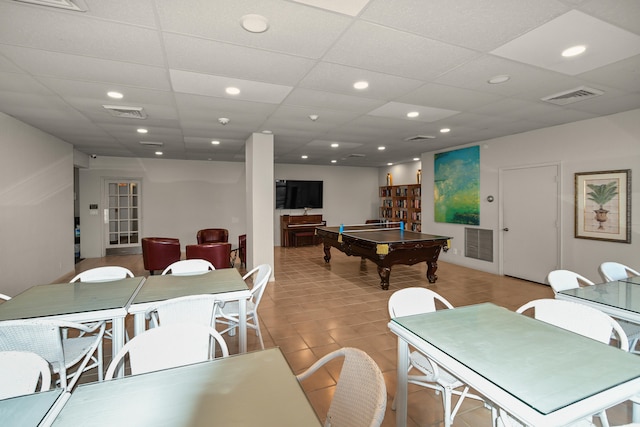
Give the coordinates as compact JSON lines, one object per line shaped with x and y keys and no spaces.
{"x":432,"y":266}
{"x":384,"y":273}
{"x":327,"y":253}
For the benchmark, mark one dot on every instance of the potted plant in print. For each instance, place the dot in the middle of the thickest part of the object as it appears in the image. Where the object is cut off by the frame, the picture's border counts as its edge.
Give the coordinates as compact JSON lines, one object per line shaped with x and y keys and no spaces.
{"x":601,"y":195}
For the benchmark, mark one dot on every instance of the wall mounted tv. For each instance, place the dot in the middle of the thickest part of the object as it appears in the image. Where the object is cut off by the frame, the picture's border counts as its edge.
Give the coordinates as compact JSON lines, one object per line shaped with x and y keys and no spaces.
{"x":291,"y":194}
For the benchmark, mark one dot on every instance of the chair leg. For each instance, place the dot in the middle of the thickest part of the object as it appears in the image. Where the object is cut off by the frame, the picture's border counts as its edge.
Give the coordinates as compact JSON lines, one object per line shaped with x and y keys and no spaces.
{"x":258,"y":332}
{"x":446,"y":404}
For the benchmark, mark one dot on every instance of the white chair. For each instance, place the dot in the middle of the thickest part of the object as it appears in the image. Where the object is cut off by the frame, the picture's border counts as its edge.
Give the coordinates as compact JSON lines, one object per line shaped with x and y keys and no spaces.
{"x":409,"y":301}
{"x":187,"y":267}
{"x":103,"y":274}
{"x":22,"y":372}
{"x":188,"y":309}
{"x":360,"y":397}
{"x":227,"y":313}
{"x":168,"y":346}
{"x":583,"y":320}
{"x":612,"y":271}
{"x":561,"y":280}
{"x":44,"y":337}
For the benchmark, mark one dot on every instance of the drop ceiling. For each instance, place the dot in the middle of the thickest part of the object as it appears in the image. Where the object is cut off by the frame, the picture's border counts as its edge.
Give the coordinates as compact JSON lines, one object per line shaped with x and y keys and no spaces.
{"x":173,"y":60}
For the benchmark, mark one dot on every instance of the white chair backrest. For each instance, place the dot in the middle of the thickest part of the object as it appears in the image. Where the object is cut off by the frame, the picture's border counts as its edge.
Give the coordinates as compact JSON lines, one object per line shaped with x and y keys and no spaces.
{"x":578,"y":318}
{"x":561,"y":280}
{"x":360,"y":397}
{"x":260,"y":281}
{"x":187,"y":309}
{"x":21,"y":372}
{"x":187,"y":267}
{"x":103,"y":274}
{"x":168,"y":347}
{"x":409,"y":301}
{"x":612,"y":271}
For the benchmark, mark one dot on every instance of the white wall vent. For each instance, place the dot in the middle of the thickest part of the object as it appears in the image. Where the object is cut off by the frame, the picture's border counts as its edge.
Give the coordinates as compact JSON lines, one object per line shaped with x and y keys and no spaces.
{"x":77,"y":5}
{"x":478,"y":244}
{"x":574,"y":95}
{"x":419,"y":138}
{"x":126,"y":112}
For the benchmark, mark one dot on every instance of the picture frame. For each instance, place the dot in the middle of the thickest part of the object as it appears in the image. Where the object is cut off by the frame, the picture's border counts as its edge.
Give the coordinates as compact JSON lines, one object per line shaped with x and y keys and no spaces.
{"x":603,"y":205}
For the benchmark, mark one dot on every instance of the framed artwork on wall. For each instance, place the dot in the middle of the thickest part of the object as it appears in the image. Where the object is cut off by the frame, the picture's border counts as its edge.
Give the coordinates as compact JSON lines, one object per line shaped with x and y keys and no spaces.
{"x":456,"y":193}
{"x":603,"y":205}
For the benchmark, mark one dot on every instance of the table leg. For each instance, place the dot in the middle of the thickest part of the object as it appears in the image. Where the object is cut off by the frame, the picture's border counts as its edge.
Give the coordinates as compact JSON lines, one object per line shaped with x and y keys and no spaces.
{"x":117,"y":341}
{"x":432,"y":266}
{"x":139,"y":324}
{"x":402,"y":383}
{"x":242,"y":325}
{"x":384,"y":273}
{"x":327,"y":253}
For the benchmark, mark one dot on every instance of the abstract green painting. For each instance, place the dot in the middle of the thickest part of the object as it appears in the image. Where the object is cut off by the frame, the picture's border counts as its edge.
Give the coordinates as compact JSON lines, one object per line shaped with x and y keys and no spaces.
{"x":456,"y":190}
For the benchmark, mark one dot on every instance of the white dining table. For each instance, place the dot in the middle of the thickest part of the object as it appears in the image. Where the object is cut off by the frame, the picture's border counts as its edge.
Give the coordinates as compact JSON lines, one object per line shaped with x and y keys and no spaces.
{"x":80,"y":302}
{"x":225,"y":283}
{"x":29,"y":410}
{"x":538,"y":373}
{"x":250,"y":389}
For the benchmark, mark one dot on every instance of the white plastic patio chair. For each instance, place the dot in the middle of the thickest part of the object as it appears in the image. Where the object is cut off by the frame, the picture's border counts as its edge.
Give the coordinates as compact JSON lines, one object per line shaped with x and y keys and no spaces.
{"x":611,"y":271}
{"x":188,"y":309}
{"x":187,"y":267}
{"x":23,"y":372}
{"x":168,"y":346}
{"x":44,"y":337}
{"x":409,"y":301}
{"x":103,"y":274}
{"x":227,"y":313}
{"x":360,"y":397}
{"x":561,"y":280}
{"x":583,"y":320}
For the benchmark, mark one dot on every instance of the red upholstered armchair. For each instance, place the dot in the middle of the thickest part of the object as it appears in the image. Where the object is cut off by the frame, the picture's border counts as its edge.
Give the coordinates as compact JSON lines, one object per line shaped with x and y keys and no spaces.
{"x":159,"y":252}
{"x":212,"y":235}
{"x":242,"y":249}
{"x":218,"y":254}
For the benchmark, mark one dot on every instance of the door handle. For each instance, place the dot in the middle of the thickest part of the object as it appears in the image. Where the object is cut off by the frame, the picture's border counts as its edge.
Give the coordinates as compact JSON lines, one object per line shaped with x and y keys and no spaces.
{"x":505,"y":229}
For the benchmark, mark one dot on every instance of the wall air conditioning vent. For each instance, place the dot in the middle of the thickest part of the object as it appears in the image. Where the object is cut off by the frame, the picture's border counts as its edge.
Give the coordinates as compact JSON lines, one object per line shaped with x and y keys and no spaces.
{"x":419,"y":138}
{"x":77,"y":5}
{"x":152,"y":143}
{"x":356,"y":155}
{"x":126,"y":112}
{"x":574,"y":95}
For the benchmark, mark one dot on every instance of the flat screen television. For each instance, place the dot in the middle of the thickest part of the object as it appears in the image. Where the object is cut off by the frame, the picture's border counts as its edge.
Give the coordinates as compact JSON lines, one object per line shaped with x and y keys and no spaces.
{"x":292,"y":194}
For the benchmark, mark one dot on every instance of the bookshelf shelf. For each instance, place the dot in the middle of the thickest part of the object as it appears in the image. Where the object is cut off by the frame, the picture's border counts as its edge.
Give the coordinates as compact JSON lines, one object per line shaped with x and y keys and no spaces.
{"x":402,"y":203}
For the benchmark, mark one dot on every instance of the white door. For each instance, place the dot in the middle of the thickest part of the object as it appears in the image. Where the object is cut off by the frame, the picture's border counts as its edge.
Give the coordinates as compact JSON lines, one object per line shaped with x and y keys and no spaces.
{"x":122,"y":215}
{"x":530,"y":219}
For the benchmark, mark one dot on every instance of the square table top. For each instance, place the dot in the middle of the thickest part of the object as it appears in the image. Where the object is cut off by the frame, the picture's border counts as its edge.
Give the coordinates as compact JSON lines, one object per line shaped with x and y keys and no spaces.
{"x":543,"y":366}
{"x":250,"y":389}
{"x":28,"y":410}
{"x":620,"y":294}
{"x":63,"y":299}
{"x":634,"y":279}
{"x":219,"y":281}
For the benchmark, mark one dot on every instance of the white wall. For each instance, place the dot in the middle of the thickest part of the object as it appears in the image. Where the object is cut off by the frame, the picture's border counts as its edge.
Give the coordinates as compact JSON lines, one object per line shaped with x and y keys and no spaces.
{"x":604,"y":143}
{"x":350,"y":193}
{"x":36,"y":207}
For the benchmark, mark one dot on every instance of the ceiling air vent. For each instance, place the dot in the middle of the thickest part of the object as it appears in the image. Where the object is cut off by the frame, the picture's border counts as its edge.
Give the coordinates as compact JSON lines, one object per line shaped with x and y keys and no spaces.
{"x":574,"y":95}
{"x":126,"y":112}
{"x":420,"y":138}
{"x":152,"y":143}
{"x":77,"y":5}
{"x":356,"y":155}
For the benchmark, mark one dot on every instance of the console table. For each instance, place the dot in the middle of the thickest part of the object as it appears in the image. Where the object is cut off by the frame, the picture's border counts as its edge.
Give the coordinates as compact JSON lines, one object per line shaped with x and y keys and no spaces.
{"x":294,"y":226}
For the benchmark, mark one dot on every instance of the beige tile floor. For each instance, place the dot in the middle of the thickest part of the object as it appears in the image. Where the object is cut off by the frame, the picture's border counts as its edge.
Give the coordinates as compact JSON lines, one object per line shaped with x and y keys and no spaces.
{"x":313,"y":308}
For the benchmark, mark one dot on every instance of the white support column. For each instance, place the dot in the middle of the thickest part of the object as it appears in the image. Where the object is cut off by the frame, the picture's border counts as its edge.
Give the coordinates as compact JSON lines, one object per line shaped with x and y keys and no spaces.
{"x":260,"y":203}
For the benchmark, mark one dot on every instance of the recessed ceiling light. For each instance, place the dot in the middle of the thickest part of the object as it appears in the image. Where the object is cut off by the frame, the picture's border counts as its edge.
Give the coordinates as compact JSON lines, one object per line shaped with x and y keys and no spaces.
{"x":445,"y":130}
{"x":389,"y":164}
{"x":335,"y":145}
{"x":416,"y":158}
{"x":215,"y":142}
{"x":334,"y":161}
{"x":361,"y":85}
{"x":158,"y":153}
{"x":304,"y":156}
{"x":381,"y":148}
{"x":254,"y":23}
{"x":142,"y":130}
{"x":115,"y":95}
{"x":413,"y":114}
{"x":574,"y":51}
{"x":496,"y":80}
{"x":232,"y":91}
{"x":313,"y":117}
{"x":267,"y":132}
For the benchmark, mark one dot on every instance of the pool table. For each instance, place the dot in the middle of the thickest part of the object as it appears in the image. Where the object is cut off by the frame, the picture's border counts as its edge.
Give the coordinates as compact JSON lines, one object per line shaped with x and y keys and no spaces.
{"x":385,"y":247}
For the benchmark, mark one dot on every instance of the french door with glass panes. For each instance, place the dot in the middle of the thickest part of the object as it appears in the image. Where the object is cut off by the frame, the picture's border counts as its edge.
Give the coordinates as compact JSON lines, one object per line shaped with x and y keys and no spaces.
{"x":122,"y":214}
